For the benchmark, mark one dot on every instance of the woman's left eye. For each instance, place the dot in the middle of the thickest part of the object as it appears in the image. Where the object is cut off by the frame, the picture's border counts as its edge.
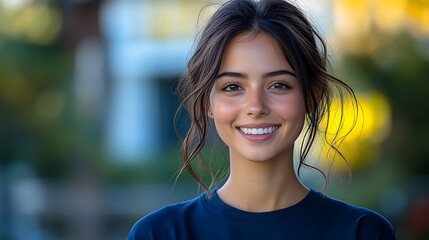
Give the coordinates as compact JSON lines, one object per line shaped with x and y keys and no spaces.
{"x":280,"y":86}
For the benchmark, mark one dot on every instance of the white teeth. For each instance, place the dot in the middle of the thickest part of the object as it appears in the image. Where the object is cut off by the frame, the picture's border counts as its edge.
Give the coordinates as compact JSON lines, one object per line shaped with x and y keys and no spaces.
{"x":258,"y":131}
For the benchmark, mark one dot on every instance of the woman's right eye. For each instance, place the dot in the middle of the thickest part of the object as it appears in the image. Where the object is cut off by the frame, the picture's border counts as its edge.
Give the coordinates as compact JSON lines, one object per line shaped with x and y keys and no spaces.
{"x":231,"y":87}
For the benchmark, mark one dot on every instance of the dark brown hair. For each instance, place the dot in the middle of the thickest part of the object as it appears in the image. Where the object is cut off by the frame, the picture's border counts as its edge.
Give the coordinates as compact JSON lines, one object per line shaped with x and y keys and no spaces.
{"x":302,"y":46}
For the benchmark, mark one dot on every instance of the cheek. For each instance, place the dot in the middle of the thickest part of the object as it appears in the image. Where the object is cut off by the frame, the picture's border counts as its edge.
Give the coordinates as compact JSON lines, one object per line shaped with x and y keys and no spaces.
{"x":225,"y":112}
{"x":224,"y":109}
{"x":291,"y":108}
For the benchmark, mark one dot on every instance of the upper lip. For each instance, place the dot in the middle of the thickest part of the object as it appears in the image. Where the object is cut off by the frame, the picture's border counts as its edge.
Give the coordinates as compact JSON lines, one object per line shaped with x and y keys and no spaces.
{"x":264,"y":125}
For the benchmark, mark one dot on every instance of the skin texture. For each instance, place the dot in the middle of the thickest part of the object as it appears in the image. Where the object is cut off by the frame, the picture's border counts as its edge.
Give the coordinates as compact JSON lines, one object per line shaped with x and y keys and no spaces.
{"x":257,"y":88}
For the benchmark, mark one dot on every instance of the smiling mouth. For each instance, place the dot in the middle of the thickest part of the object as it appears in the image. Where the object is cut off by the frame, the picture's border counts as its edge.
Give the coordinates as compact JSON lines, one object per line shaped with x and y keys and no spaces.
{"x":259,"y":131}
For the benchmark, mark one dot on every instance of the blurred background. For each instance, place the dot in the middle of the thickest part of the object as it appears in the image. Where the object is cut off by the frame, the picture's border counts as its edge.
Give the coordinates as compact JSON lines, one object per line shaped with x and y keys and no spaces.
{"x":87,"y":143}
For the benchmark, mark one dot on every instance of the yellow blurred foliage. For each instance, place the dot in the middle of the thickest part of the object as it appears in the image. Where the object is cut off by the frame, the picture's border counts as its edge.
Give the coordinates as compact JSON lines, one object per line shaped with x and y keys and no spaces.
{"x":177,"y":21}
{"x":35,"y":23}
{"x":388,"y":15}
{"x":357,"y":22}
{"x":359,"y":136}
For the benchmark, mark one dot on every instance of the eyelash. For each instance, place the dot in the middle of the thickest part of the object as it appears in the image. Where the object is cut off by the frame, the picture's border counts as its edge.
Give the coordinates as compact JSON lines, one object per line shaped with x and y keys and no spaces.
{"x":231,"y":84}
{"x":284,"y":86}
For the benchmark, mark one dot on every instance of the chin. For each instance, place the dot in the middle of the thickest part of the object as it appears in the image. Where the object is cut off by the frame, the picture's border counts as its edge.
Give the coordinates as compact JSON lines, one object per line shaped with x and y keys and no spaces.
{"x":258,"y":157}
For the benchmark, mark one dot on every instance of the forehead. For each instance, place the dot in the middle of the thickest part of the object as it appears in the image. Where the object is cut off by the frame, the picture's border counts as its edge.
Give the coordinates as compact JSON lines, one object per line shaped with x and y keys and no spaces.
{"x":251,"y":51}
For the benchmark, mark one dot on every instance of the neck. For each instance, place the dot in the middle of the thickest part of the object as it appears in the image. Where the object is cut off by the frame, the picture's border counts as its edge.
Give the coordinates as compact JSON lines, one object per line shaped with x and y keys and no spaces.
{"x":262,"y":186}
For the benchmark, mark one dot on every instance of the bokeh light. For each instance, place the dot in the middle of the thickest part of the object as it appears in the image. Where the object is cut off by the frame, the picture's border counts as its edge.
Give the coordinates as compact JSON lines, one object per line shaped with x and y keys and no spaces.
{"x":364,"y":127}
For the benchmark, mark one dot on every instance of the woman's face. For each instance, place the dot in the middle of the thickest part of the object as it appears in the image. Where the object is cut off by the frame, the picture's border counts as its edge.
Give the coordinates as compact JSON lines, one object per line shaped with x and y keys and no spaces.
{"x":256,"y":102}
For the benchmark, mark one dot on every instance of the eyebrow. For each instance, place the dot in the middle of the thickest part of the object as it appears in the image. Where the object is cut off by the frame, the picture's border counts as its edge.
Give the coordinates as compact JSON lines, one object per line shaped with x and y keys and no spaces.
{"x":244,"y":76}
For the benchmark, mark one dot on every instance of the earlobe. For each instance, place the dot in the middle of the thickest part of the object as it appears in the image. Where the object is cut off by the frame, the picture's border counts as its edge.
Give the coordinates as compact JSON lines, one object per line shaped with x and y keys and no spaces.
{"x":210,"y":113}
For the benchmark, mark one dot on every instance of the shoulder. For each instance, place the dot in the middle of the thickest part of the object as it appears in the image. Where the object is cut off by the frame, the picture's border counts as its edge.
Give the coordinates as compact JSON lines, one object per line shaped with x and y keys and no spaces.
{"x":148,"y":226}
{"x":158,"y":224}
{"x":372,"y":225}
{"x":363,"y":222}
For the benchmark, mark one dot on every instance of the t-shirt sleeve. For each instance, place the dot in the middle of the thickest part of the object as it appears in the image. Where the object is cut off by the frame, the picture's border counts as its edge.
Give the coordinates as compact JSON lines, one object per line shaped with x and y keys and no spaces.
{"x":373,"y":226}
{"x":152,"y":226}
{"x":141,"y":230}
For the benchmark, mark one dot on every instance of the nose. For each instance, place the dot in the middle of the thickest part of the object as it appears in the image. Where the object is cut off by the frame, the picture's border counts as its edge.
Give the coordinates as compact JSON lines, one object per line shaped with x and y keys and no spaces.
{"x":256,"y":104}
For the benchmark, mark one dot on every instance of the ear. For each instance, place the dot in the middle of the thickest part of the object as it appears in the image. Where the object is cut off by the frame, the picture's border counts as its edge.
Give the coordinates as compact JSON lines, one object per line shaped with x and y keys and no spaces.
{"x":208,"y":106}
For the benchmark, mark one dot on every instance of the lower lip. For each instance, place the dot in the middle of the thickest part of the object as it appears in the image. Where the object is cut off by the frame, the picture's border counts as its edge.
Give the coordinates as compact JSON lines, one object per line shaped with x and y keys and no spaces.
{"x":257,"y":138}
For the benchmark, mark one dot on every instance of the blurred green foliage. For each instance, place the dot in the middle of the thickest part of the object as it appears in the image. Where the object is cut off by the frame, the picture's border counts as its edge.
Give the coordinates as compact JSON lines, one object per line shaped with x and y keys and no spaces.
{"x":35,"y":106}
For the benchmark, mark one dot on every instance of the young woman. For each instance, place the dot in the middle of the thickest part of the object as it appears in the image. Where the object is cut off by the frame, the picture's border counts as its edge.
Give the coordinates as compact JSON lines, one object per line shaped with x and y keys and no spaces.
{"x":259,"y":74}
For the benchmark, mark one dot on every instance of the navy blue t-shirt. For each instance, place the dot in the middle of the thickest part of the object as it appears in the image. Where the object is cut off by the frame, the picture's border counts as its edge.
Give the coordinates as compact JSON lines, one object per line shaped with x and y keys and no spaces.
{"x":315,"y":217}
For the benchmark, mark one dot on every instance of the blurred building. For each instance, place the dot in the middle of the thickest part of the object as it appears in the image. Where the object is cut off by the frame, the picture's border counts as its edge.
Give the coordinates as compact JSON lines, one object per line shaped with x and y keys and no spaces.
{"x":147,"y":45}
